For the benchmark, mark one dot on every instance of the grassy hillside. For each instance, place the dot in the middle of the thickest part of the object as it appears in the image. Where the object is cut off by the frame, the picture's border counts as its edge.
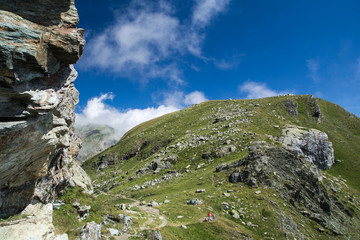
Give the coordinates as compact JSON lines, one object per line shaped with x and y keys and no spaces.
{"x":193,"y":142}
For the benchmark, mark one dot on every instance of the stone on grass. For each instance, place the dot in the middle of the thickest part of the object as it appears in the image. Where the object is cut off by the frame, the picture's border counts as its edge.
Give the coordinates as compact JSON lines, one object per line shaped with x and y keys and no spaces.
{"x":226,"y":194}
{"x":91,"y":231}
{"x":113,"y":232}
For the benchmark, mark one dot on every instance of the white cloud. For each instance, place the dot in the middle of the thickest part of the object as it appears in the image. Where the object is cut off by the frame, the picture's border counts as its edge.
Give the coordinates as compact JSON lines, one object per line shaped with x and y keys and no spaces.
{"x":313,"y":67}
{"x":229,"y":63}
{"x":205,"y":11}
{"x":98,"y":112}
{"x":258,"y":90}
{"x":174,"y":99}
{"x":179,"y":99}
{"x":195,"y":97}
{"x":143,"y":41}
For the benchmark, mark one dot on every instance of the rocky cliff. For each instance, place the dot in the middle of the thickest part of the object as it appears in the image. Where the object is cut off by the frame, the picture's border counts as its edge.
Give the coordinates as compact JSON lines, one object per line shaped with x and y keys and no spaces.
{"x":39,"y":42}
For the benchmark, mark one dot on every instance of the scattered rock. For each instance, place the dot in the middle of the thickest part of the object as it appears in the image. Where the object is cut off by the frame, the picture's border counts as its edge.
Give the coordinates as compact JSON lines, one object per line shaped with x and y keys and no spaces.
{"x":235,"y":214}
{"x":183,"y":226}
{"x":154,"y":235}
{"x":195,"y":201}
{"x":226,"y":194}
{"x":206,"y":155}
{"x":331,"y":186}
{"x":83,"y":210}
{"x":224,"y":151}
{"x":57,"y":205}
{"x":200,"y":191}
{"x":153,"y":204}
{"x":225,"y":206}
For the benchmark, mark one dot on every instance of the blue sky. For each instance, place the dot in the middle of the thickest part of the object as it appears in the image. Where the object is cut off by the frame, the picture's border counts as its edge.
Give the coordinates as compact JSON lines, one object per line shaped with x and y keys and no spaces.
{"x":147,"y":58}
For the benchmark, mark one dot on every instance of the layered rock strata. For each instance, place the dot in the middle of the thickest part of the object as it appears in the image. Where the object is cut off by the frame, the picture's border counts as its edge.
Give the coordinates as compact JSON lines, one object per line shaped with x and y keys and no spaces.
{"x":39,"y":42}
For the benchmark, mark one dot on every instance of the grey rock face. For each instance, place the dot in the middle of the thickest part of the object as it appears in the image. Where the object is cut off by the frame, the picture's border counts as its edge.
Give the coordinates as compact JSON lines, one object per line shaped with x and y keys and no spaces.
{"x":38,"y":225}
{"x":155,"y":235}
{"x":291,"y":107}
{"x":38,"y":43}
{"x":91,"y":231}
{"x":44,"y":12}
{"x":298,"y":183}
{"x":312,"y":144}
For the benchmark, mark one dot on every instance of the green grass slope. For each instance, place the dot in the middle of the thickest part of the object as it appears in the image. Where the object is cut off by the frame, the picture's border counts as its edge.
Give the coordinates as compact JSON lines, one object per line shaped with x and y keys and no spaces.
{"x":192,"y":141}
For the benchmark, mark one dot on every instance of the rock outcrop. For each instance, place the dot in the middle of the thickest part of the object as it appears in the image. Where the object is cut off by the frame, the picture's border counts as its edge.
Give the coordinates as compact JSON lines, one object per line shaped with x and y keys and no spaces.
{"x":91,"y":231}
{"x":312,"y":144}
{"x":38,"y":43}
{"x":36,"y":223}
{"x":298,"y":182}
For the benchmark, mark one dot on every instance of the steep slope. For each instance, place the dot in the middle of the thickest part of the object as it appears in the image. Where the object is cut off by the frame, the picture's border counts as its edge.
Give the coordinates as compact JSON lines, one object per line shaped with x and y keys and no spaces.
{"x":39,"y":42}
{"x":274,"y":168}
{"x":95,"y":139}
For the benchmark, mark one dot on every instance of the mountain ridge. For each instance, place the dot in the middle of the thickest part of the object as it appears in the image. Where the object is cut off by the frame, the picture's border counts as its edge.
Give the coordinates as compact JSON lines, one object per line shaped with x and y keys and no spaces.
{"x":257,"y":164}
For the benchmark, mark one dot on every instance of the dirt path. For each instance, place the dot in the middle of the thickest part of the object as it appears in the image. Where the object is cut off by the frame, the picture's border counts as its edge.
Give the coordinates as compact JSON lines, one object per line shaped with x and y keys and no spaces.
{"x":152,"y":215}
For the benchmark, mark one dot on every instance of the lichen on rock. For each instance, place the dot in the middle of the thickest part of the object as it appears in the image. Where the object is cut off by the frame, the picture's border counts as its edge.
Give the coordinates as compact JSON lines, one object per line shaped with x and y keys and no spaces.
{"x":38,"y":43}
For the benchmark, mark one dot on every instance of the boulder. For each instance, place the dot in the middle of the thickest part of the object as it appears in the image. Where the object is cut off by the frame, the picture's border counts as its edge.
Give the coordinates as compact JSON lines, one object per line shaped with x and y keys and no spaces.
{"x":195,"y":201}
{"x":91,"y":231}
{"x":114,"y":232}
{"x":84,"y":210}
{"x":155,"y":235}
{"x":153,"y":204}
{"x":35,"y":224}
{"x":225,"y":150}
